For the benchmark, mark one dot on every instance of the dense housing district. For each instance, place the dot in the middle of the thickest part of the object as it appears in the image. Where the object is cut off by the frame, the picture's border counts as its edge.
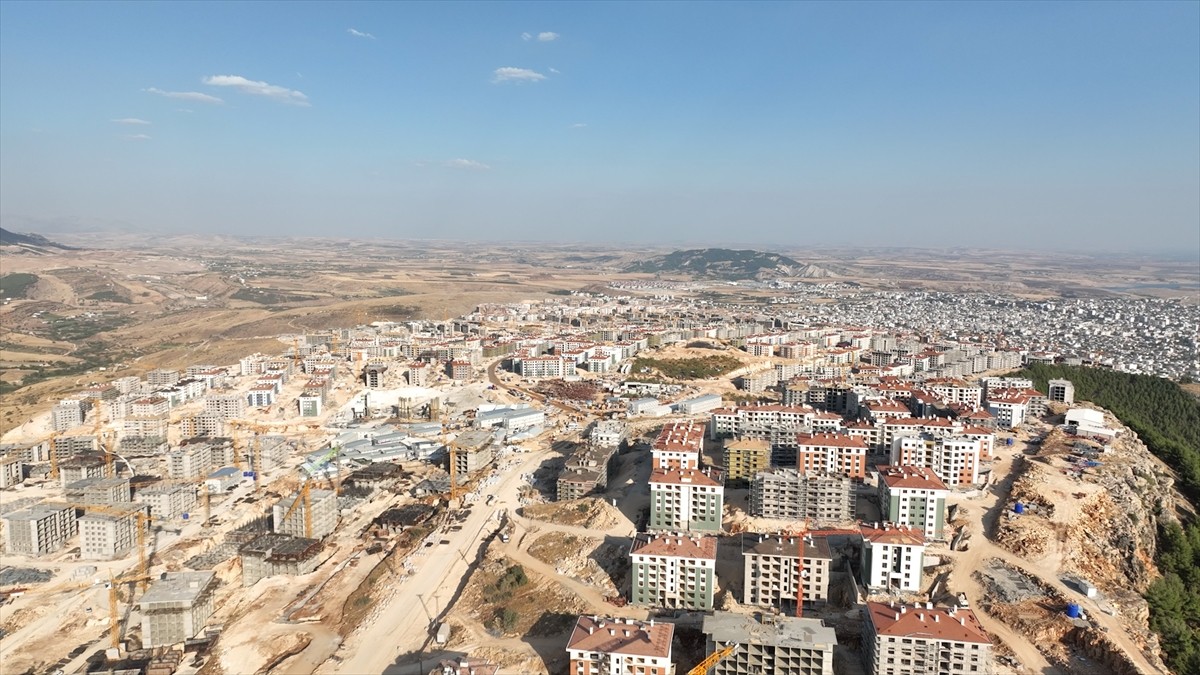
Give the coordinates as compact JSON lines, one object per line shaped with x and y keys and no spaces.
{"x":797,"y":494}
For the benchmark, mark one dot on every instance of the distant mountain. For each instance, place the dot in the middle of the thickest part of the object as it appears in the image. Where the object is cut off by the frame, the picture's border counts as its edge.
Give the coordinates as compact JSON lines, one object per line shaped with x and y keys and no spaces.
{"x":30,"y":240}
{"x":724,"y":263}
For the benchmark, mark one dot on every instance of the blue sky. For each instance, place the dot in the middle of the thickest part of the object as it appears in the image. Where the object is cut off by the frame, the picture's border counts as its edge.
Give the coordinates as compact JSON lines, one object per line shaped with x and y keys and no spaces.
{"x":1073,"y":125}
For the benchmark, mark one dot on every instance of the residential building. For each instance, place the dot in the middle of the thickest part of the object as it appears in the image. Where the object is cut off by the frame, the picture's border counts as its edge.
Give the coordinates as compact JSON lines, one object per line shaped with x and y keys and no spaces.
{"x":69,"y":413}
{"x":773,"y":423}
{"x":832,"y":453}
{"x":225,"y":406}
{"x":110,"y":534}
{"x":744,"y":459}
{"x":606,"y":646}
{"x":162,"y":378}
{"x":274,"y":554}
{"x":686,"y":499}
{"x":167,"y":501}
{"x":98,"y":491}
{"x":474,"y":451}
{"x":914,"y":496}
{"x":586,"y":471}
{"x":673,"y":571}
{"x":955,"y":459}
{"x":176,"y":606}
{"x":1061,"y":391}
{"x":310,"y":404}
{"x":893,"y":557}
{"x":1009,"y":409}
{"x":324,"y":514}
{"x":192,"y":461}
{"x":38,"y":530}
{"x":608,"y":433}
{"x":536,"y":367}
{"x":373,"y":375}
{"x":773,"y":571}
{"x":678,"y":446}
{"x":459,"y":370}
{"x":903,"y":639}
{"x":80,"y":467}
{"x":787,"y":494}
{"x":12,"y":471}
{"x":768,"y":643}
{"x":756,"y":383}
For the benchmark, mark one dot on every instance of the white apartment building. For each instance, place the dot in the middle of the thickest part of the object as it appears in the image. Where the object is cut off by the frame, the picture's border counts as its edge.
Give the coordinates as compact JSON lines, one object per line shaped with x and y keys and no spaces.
{"x":605,"y":646}
{"x":107,"y":535}
{"x":686,"y":500}
{"x":893,"y":557}
{"x":38,"y":530}
{"x":901,"y":639}
{"x":225,"y":406}
{"x":167,"y":501}
{"x":534,"y":367}
{"x":69,"y":413}
{"x":673,"y":571}
{"x":955,"y":459}
{"x":760,"y":421}
{"x":190,"y":462}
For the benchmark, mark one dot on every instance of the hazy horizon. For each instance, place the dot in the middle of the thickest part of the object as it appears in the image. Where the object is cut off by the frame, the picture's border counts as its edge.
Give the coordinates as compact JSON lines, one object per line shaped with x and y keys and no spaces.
{"x":1065,"y":126}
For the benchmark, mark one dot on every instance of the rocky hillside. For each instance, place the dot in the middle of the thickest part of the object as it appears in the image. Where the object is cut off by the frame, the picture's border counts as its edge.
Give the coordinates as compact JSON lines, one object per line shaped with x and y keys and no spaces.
{"x":30,"y":242}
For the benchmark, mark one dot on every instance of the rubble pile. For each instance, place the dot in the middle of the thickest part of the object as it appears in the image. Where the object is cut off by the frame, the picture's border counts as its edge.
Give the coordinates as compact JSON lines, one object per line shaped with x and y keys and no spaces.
{"x":590,"y":512}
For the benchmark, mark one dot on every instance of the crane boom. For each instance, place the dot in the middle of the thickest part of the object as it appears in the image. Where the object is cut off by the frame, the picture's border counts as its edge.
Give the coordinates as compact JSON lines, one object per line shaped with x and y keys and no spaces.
{"x":711,"y":660}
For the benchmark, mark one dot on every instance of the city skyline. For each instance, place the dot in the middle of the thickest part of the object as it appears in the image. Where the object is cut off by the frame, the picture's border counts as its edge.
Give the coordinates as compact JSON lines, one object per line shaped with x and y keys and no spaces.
{"x":1068,"y":126}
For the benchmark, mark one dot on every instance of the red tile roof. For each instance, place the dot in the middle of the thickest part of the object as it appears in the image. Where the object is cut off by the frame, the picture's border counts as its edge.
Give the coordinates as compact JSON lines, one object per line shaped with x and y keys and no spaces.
{"x":919,"y":621}
{"x":622,"y":636}
{"x":827,"y":440}
{"x":707,"y":477}
{"x":892,"y":533}
{"x":675,"y":545}
{"x":916,"y":477}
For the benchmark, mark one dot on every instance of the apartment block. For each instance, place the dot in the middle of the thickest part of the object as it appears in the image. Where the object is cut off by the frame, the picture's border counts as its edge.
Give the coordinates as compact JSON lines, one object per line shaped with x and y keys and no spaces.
{"x":202,"y":424}
{"x":955,"y":459}
{"x":903,"y":639}
{"x":162,"y":378}
{"x":770,"y":422}
{"x":273,"y":554}
{"x":608,"y":433}
{"x":98,"y":491}
{"x":167,"y":501}
{"x":787,"y":494}
{"x":109,"y":535}
{"x":225,"y":406}
{"x":69,"y":413}
{"x":374,"y":375}
{"x":12,"y":471}
{"x":769,"y":643}
{"x":913,"y":496}
{"x":773,"y":571}
{"x":603,"y":646}
{"x":38,"y":530}
{"x":678,"y":446}
{"x":324,"y":514}
{"x":673,"y":571}
{"x":80,"y":467}
{"x":536,"y":367}
{"x":1061,"y":391}
{"x":756,"y":383}
{"x":832,"y":453}
{"x":176,"y":606}
{"x":744,"y":459}
{"x":893,"y":557}
{"x":190,"y":462}
{"x":474,"y":451}
{"x":686,"y":500}
{"x":586,"y":471}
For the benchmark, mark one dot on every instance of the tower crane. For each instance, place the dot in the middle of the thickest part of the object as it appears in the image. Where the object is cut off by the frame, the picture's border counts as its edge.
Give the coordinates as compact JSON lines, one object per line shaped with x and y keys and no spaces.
{"x":143,"y":524}
{"x":53,"y":456}
{"x":712,"y":660}
{"x":306,"y":498}
{"x":801,"y":573}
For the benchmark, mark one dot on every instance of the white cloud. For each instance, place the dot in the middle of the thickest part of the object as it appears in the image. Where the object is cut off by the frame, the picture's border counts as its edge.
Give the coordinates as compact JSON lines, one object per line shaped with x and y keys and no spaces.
{"x":184,"y":110}
{"x":136,"y":137}
{"x":579,"y":125}
{"x":547,"y":36}
{"x":527,"y":36}
{"x":467,"y":164}
{"x":131,"y":121}
{"x":193,"y":96}
{"x":554,"y":70}
{"x":359,"y":33}
{"x":510,"y":74}
{"x":257,"y":88}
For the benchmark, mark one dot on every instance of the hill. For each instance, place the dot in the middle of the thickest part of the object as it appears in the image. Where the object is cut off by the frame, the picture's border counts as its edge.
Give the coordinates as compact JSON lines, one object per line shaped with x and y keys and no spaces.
{"x":30,"y":240}
{"x":722,"y":263}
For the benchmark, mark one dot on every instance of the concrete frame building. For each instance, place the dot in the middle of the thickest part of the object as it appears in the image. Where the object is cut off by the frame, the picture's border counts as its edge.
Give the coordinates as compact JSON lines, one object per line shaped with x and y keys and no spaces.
{"x":40,"y":529}
{"x":225,"y":406}
{"x":673,"y":571}
{"x":98,"y":490}
{"x":913,"y":496}
{"x":80,"y":467}
{"x":772,"y":569}
{"x":766,"y":643}
{"x":109,"y":535}
{"x":686,"y":500}
{"x":167,"y":501}
{"x":12,"y":471}
{"x":176,"y":606}
{"x":788,"y":494}
{"x":69,"y":413}
{"x":922,"y":639}
{"x":603,"y":646}
{"x":273,"y":554}
{"x":893,"y":557}
{"x":1061,"y":391}
{"x":324,"y":514}
{"x":474,"y":451}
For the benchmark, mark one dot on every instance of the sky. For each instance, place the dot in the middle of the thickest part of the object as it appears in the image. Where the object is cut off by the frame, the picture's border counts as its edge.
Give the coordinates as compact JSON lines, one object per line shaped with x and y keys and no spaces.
{"x":1065,"y":126}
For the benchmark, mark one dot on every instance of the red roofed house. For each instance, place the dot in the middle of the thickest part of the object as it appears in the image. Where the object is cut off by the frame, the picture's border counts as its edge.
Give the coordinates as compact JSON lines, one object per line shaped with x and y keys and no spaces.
{"x":678,"y":446}
{"x":832,"y":453}
{"x":673,"y":571}
{"x":600,"y":645}
{"x":913,"y":495}
{"x":893,"y":557}
{"x":941,"y":640}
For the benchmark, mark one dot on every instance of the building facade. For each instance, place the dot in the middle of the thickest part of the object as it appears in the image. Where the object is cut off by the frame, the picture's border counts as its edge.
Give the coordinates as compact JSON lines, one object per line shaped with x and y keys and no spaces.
{"x":686,"y":500}
{"x":893,"y":557}
{"x":766,"y":643}
{"x":787,"y":494}
{"x":913,"y":496}
{"x":773,"y":570}
{"x":605,"y":646}
{"x":903,"y":639}
{"x":673,"y":571}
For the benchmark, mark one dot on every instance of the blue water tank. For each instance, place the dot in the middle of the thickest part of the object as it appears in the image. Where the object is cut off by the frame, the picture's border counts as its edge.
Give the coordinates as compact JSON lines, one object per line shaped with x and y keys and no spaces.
{"x":185,"y":516}
{"x":1018,"y":508}
{"x":1009,"y":441}
{"x":1074,"y":611}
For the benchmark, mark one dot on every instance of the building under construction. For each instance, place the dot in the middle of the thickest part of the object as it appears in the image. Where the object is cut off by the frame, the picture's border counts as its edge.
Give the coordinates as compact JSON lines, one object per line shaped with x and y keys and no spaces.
{"x":788,"y":494}
{"x":273,"y":554}
{"x":323,"y":504}
{"x":769,"y":643}
{"x":772,"y":570}
{"x":586,"y":471}
{"x":176,"y":606}
{"x":473,"y":451}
